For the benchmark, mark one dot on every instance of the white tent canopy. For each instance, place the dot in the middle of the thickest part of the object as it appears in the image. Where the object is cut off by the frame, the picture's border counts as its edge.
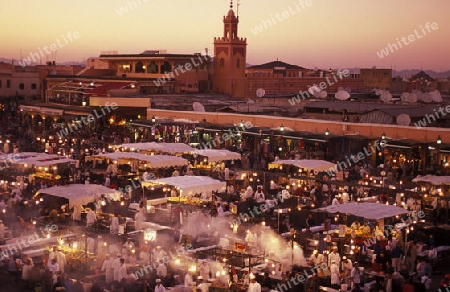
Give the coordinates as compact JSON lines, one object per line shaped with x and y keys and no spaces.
{"x":191,"y":185}
{"x":33,"y":158}
{"x":80,"y":194}
{"x":153,"y":161}
{"x":310,"y":164}
{"x":215,"y":155}
{"x":373,"y":211}
{"x":172,"y":148}
{"x":433,"y":179}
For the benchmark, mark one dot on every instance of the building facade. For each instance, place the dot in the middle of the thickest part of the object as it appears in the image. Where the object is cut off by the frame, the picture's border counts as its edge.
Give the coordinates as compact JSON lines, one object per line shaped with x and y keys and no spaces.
{"x":16,"y":81}
{"x":376,"y":78}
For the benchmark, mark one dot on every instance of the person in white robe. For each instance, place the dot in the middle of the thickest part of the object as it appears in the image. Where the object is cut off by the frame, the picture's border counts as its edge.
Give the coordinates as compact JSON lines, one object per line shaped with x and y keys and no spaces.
{"x":108,"y":268}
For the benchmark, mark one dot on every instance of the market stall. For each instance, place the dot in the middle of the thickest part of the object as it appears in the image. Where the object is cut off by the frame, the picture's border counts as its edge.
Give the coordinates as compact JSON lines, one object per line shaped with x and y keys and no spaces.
{"x":149,"y":161}
{"x":217,"y":155}
{"x":433,"y":179}
{"x":349,"y":238}
{"x":371,"y":211}
{"x":171,"y":148}
{"x":308,"y":165}
{"x":79,"y":194}
{"x":190,"y":186}
{"x":40,"y":164}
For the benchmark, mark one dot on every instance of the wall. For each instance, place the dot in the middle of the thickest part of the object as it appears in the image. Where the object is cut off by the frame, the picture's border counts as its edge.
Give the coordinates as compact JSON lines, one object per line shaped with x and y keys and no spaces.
{"x":372,"y":131}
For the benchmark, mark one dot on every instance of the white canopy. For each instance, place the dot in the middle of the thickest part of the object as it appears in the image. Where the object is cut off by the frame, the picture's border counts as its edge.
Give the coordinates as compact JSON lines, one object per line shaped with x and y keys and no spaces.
{"x":215,"y":155}
{"x":33,"y":158}
{"x":191,"y":185}
{"x":310,"y":164}
{"x":172,"y":148}
{"x":80,"y":194}
{"x":153,"y":161}
{"x":373,"y":211}
{"x":433,"y":179}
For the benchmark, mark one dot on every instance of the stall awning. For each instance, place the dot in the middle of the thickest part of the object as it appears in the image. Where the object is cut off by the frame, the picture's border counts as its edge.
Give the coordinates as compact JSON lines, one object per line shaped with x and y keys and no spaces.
{"x":172,"y":148}
{"x":433,"y":179}
{"x":153,"y":161}
{"x":42,"y":110}
{"x":190,"y":185}
{"x":80,"y":194}
{"x":310,"y":164}
{"x":216,"y":155}
{"x":372,"y":211}
{"x":33,"y":158}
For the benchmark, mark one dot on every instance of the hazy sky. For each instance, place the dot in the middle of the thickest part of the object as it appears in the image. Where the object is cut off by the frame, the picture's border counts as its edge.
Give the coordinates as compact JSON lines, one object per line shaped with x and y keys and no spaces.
{"x":327,"y":33}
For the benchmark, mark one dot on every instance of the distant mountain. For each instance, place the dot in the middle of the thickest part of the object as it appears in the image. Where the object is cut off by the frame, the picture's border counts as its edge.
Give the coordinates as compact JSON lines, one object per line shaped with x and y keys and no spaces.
{"x":16,"y":62}
{"x":410,"y":72}
{"x":432,"y":73}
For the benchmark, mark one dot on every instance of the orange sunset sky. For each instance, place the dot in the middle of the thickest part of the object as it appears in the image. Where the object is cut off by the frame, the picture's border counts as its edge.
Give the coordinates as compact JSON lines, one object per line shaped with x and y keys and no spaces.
{"x":318,"y":33}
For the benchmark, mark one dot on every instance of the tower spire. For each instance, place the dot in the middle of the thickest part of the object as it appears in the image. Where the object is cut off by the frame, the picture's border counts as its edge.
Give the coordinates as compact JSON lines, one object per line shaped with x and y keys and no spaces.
{"x":231,"y":4}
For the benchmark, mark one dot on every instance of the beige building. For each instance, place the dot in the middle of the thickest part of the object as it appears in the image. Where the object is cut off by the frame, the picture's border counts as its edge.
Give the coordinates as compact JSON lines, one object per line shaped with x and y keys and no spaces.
{"x":160,"y":73}
{"x":376,"y":78}
{"x":18,"y":81}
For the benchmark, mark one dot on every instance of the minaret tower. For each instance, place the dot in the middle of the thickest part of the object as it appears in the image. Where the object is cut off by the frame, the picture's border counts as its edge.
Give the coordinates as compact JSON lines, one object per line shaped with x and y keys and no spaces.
{"x":230,"y":54}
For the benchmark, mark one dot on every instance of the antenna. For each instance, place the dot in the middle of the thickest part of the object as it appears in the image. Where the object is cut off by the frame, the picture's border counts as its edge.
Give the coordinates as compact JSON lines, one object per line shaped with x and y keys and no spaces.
{"x":237,"y":9}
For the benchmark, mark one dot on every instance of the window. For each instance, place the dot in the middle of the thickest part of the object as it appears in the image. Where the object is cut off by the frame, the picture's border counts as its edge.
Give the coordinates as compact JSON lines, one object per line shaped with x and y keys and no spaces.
{"x":152,"y":68}
{"x":238,"y":63}
{"x":140,"y":68}
{"x":1,"y":81}
{"x":8,"y":83}
{"x":126,"y":68}
{"x":21,"y":86}
{"x":222,"y":62}
{"x":166,"y":68}
{"x":33,"y":86}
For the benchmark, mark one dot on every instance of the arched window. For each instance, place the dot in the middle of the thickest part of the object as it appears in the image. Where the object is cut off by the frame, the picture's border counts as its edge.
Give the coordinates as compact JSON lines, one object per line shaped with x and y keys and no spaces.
{"x":238,"y":63}
{"x":222,"y":63}
{"x":152,"y":68}
{"x":166,"y":68}
{"x":140,"y":68}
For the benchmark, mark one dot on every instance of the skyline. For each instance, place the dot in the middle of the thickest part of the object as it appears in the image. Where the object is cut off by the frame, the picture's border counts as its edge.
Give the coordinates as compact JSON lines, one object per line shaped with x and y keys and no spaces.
{"x":308,"y":33}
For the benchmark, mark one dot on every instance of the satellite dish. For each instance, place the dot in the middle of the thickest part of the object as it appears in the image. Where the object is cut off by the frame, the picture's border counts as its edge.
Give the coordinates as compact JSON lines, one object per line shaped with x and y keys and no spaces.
{"x":386,"y":96}
{"x":403,"y":120}
{"x":342,"y":95}
{"x":436,"y":96}
{"x":198,"y":107}
{"x":260,"y":92}
{"x":405,"y":97}
{"x":427,"y":98}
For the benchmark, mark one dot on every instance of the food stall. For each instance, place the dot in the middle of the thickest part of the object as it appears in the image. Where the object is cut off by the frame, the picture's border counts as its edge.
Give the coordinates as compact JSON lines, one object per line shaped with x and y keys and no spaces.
{"x":189,"y":187}
{"x":350,"y":239}
{"x":143,"y":161}
{"x":77,"y":194}
{"x":307,"y":167}
{"x":162,"y":147}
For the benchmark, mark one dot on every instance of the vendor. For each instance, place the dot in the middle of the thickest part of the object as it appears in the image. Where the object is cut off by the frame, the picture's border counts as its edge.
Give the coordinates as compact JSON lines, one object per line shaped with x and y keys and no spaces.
{"x":316,"y":258}
{"x":248,"y":193}
{"x":366,"y":228}
{"x":259,"y":195}
{"x":91,"y":217}
{"x":355,"y":225}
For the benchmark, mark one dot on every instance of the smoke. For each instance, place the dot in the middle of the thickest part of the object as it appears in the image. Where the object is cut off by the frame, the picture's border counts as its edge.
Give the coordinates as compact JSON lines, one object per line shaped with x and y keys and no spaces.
{"x":259,"y":239}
